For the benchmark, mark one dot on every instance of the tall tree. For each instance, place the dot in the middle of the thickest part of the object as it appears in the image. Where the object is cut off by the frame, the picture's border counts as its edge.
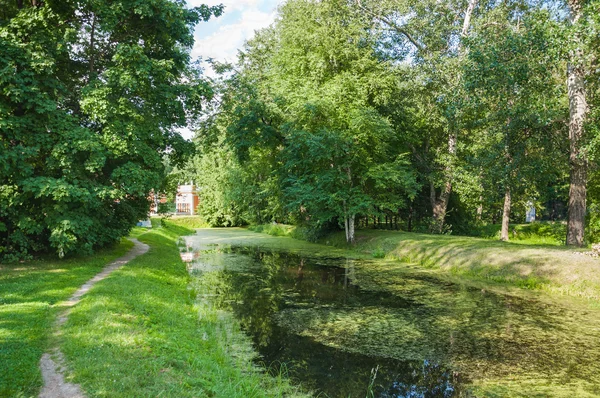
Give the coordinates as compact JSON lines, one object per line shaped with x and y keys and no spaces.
{"x":436,"y":33}
{"x":512,"y":78}
{"x":91,"y":95}
{"x":578,"y":106}
{"x":312,"y":86}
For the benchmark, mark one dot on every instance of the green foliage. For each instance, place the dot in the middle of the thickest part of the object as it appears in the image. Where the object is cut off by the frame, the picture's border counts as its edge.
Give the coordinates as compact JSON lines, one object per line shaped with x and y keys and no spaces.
{"x":593,"y":219}
{"x":299,"y":135}
{"x":345,"y":110}
{"x":517,"y":103}
{"x":91,"y":94}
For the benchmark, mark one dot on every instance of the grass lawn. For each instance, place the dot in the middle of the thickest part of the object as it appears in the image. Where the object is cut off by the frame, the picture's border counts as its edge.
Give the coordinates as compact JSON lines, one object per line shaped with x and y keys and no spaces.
{"x":140,"y":333}
{"x":535,"y":233}
{"x":30,"y":297}
{"x":137,"y":333}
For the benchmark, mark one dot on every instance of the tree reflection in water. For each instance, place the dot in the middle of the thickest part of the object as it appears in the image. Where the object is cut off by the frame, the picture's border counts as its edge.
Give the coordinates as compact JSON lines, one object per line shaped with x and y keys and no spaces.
{"x":332,"y":321}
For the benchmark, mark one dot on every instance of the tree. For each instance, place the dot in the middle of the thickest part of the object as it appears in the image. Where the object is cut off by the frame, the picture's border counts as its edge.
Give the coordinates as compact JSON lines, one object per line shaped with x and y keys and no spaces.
{"x":512,"y":79}
{"x":305,"y":105}
{"x":578,"y":106}
{"x":437,"y":47}
{"x":91,"y":95}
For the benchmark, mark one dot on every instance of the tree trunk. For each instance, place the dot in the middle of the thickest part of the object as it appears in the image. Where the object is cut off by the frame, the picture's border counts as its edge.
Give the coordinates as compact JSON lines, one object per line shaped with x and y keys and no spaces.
{"x":467,"y":20}
{"x":505,"y":215}
{"x":346,"y":222}
{"x":92,"y":49}
{"x":440,"y":205}
{"x":577,"y":200}
{"x":350,"y":222}
{"x":578,"y":109}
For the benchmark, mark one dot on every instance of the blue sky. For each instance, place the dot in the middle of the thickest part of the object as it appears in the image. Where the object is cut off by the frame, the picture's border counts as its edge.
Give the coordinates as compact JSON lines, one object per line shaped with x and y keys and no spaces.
{"x":220,"y":38}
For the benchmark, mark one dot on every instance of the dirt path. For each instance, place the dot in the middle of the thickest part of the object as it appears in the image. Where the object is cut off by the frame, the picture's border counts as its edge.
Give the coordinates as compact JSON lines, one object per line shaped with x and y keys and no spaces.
{"x":52,"y":361}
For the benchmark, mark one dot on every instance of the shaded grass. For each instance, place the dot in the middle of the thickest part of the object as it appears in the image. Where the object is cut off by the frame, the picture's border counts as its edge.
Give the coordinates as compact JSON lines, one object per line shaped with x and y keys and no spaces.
{"x":555,"y":269}
{"x":274,"y":229}
{"x":139,"y":333}
{"x":30,"y":296}
{"x":535,"y":233}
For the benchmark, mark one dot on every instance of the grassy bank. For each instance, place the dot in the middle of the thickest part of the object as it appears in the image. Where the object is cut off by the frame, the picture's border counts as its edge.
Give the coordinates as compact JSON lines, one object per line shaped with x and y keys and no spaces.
{"x":554,"y":269}
{"x":140,"y":333}
{"x":30,"y":297}
{"x":532,"y":266}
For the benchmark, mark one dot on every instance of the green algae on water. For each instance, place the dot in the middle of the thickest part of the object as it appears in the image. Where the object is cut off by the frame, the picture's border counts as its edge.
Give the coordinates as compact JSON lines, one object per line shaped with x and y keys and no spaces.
{"x":303,"y":307}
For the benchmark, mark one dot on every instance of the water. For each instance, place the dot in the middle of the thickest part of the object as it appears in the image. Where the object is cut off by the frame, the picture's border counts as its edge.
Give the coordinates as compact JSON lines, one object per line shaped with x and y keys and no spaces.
{"x":343,"y":327}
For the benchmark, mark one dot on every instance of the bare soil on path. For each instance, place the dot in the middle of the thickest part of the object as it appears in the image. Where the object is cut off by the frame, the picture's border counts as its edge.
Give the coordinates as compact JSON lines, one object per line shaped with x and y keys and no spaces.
{"x":52,"y":362}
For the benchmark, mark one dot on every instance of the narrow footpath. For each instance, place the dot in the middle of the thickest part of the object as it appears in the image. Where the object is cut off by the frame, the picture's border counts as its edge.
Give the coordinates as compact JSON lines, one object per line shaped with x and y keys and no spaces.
{"x":52,"y":362}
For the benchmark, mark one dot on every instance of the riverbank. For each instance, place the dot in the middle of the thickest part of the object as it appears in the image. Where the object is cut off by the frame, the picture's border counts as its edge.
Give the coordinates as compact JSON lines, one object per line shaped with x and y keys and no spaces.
{"x":141,"y":333}
{"x":555,"y":269}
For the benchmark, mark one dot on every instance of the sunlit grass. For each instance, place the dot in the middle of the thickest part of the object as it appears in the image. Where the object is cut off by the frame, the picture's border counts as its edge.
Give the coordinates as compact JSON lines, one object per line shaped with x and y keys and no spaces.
{"x":185,"y":221}
{"x":30,"y":294}
{"x":535,"y":233}
{"x":274,"y":229}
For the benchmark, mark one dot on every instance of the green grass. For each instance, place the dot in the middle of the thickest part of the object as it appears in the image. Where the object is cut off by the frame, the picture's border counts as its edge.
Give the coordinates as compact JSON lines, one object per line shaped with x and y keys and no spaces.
{"x":30,"y":297}
{"x":190,"y":222}
{"x":292,"y":231}
{"x":141,"y":333}
{"x":554,"y":269}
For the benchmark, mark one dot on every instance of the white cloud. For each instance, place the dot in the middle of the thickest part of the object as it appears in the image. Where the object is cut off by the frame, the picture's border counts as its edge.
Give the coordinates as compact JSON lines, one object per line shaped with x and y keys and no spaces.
{"x":223,"y":45}
{"x":241,"y":19}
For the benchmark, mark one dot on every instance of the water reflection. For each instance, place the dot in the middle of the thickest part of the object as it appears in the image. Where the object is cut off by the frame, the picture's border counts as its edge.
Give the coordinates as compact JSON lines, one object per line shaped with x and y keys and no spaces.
{"x":262,"y":287}
{"x":346,"y":329}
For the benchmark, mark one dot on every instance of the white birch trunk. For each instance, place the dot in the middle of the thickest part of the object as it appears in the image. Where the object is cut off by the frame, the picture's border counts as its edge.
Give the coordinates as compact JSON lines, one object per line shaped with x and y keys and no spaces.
{"x":350,"y":236}
{"x":505,"y":215}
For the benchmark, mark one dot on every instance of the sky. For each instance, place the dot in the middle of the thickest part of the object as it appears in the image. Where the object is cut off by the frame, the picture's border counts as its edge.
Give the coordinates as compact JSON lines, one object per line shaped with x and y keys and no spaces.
{"x":220,"y":38}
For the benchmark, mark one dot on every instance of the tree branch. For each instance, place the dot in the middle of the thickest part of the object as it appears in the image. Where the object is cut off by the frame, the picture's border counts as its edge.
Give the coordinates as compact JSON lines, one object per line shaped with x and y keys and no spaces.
{"x":392,"y":25}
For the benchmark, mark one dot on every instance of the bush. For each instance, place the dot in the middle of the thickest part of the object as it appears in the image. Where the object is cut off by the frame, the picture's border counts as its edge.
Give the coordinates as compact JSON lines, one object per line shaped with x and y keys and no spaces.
{"x":592,"y":233}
